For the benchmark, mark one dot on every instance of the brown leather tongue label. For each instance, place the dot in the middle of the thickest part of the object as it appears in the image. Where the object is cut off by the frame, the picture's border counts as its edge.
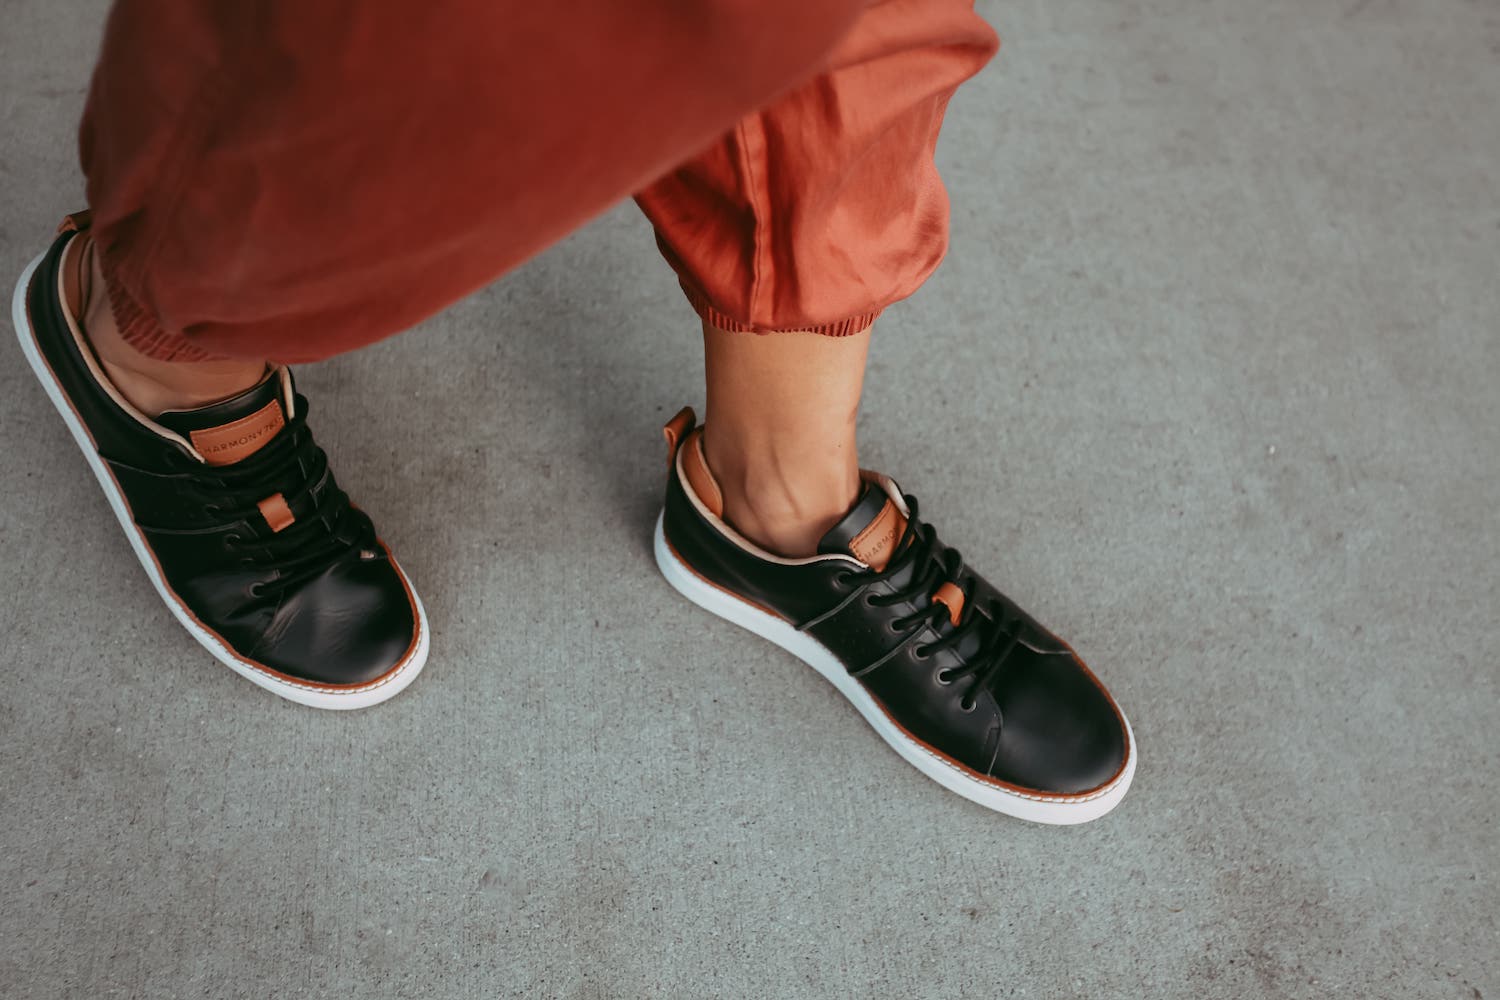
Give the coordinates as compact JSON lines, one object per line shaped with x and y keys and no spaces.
{"x":876,"y":542}
{"x":239,"y":439}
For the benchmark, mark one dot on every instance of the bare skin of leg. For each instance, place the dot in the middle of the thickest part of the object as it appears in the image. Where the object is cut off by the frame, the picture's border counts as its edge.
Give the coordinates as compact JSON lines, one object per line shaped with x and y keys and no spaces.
{"x":779,"y":432}
{"x":153,"y":386}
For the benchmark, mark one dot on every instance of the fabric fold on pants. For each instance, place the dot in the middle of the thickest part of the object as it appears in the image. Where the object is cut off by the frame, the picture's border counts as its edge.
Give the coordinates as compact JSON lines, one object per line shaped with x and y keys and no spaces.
{"x":820,"y":210}
{"x":291,"y":181}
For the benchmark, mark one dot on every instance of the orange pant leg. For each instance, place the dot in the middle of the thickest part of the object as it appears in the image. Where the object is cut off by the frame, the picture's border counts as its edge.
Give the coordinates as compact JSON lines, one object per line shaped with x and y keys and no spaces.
{"x":825,"y":207}
{"x":289,"y":180}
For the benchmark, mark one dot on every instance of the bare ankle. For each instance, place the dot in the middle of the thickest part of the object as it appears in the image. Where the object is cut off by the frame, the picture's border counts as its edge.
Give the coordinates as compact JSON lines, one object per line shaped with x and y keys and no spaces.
{"x":151,"y":385}
{"x":784,"y":506}
{"x":780,"y":432}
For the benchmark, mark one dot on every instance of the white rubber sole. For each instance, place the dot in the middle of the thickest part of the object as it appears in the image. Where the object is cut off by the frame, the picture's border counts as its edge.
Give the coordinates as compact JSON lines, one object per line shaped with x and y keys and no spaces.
{"x":387,"y":686}
{"x":1059,"y":810}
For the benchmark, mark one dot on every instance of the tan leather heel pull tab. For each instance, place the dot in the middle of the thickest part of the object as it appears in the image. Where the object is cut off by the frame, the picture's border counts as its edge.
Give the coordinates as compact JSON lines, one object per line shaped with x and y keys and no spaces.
{"x":75,"y":222}
{"x":950,"y":596}
{"x":677,"y":430}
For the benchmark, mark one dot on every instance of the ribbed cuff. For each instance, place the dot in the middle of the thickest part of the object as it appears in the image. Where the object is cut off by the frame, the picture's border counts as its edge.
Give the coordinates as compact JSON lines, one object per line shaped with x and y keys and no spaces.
{"x":139,"y":328}
{"x":706,"y":311}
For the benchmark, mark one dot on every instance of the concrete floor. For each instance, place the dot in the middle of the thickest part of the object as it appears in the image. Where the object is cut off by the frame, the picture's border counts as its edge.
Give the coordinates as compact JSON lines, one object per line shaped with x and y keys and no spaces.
{"x":1210,"y":381}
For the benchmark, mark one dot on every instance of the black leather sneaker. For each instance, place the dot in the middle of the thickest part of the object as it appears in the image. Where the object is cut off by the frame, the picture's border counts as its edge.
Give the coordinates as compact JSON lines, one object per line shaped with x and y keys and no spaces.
{"x":951,"y":673}
{"x":234,"y":514}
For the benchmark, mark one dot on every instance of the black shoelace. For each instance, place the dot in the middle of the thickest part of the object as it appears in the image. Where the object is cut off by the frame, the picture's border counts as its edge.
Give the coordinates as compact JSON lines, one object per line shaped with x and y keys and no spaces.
{"x":327,"y":530}
{"x":932,"y":564}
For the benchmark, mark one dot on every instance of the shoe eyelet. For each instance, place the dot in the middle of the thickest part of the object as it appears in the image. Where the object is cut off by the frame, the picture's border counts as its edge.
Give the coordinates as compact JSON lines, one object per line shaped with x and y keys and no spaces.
{"x":965,"y":705}
{"x":231,"y":540}
{"x":940,"y":676}
{"x":256,"y":589}
{"x":921,"y":652}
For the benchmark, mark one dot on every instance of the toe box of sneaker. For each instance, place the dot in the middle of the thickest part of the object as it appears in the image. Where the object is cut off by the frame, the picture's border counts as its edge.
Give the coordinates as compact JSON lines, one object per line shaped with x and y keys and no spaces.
{"x":1062,"y":732}
{"x":350,"y":625}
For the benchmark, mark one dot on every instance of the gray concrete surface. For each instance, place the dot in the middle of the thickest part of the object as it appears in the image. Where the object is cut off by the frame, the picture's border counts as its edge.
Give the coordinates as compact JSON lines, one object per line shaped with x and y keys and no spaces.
{"x":1209,"y":381}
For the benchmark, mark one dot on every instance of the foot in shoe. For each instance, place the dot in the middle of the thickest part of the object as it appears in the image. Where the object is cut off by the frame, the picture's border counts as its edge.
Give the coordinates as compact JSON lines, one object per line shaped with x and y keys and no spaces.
{"x":960,"y":681}
{"x":235,"y":516}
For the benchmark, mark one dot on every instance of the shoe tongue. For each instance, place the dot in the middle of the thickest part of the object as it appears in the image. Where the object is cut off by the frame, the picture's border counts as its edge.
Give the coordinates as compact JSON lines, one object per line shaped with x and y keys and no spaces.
{"x":869,"y":532}
{"x":233,"y":429}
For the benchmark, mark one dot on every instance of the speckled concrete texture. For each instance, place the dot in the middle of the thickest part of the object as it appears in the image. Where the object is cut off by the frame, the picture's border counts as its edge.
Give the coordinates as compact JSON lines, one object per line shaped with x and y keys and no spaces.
{"x":1209,"y":382}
